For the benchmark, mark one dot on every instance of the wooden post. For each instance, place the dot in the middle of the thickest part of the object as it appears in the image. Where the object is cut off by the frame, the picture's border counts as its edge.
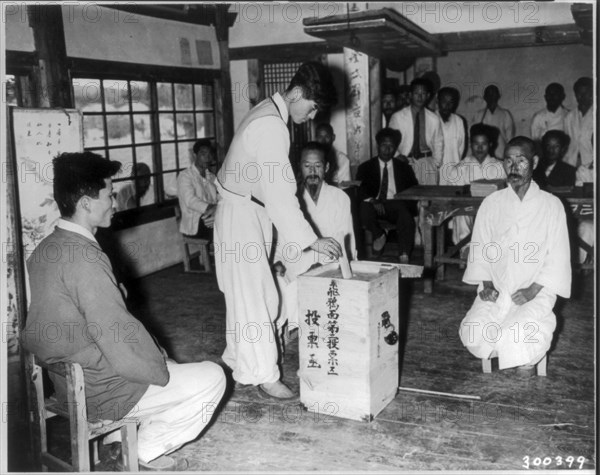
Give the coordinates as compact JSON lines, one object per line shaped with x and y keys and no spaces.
{"x":224,"y":105}
{"x":375,"y":100}
{"x":358,"y":113}
{"x":53,"y":85}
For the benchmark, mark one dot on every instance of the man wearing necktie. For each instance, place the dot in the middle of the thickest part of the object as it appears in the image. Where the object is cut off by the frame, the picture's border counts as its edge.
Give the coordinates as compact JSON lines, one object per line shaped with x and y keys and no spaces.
{"x":423,"y":142}
{"x":381,"y":178}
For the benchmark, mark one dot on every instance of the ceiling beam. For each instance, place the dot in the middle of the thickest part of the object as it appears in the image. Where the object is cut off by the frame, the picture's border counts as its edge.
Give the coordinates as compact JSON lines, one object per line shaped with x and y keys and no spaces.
{"x":196,"y":13}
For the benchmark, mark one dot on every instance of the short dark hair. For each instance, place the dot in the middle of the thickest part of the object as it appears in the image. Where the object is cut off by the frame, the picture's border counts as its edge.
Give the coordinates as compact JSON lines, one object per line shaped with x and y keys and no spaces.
{"x":80,"y":174}
{"x":522,"y":141}
{"x":490,"y":88}
{"x":451,"y":91}
{"x":426,"y":83}
{"x":555,"y":85}
{"x":403,"y":88}
{"x":583,"y":82}
{"x":559,"y":135}
{"x":315,"y":147}
{"x":325,"y":125}
{"x":202,"y":143}
{"x":482,"y":129}
{"x":316,"y":83}
{"x":394,"y":134}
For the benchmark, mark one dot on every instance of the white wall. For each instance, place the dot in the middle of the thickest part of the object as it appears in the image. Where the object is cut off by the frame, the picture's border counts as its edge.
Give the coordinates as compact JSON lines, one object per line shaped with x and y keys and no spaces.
{"x":522,"y":75}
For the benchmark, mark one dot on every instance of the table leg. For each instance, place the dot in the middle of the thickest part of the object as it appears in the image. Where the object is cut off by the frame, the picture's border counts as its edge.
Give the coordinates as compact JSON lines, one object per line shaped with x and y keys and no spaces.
{"x":427,"y":230}
{"x":440,"y":232}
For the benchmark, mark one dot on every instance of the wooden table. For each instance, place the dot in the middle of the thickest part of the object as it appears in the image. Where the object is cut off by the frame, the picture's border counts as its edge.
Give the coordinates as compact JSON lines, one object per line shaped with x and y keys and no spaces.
{"x":441,"y":203}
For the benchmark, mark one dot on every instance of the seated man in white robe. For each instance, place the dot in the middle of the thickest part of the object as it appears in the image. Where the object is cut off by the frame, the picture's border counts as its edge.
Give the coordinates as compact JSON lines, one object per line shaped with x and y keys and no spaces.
{"x":327,"y":209}
{"x":520,"y":260}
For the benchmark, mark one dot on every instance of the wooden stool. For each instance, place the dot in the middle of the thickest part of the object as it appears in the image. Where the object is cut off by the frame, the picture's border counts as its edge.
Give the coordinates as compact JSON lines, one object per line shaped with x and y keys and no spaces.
{"x":540,"y":367}
{"x":80,"y":432}
{"x":202,"y":253}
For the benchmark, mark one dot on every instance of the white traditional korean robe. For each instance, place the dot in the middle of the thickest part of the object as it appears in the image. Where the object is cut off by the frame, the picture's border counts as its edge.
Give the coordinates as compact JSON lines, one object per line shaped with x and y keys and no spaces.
{"x":516,"y":243}
{"x":256,"y":166}
{"x":454,"y":146}
{"x":331,"y":217}
{"x":465,"y":172}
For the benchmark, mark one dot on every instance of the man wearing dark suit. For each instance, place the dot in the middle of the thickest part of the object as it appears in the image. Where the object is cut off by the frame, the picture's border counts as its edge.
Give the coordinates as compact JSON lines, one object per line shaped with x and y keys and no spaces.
{"x":381,"y":178}
{"x":552,"y":171}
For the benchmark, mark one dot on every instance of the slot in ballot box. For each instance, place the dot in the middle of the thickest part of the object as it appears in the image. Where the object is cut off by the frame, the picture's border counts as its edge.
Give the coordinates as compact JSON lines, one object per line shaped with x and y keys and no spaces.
{"x":348,"y":339}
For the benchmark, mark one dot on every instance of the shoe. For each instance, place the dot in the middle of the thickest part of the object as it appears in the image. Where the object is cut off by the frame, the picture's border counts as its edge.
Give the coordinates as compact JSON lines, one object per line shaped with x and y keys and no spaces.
{"x":526,"y":371}
{"x":276,"y":390}
{"x":379,"y":243}
{"x":165,"y":463}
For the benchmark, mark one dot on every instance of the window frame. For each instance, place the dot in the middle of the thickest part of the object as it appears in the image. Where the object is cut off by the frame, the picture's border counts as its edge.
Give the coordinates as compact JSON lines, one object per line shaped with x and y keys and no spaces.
{"x":153,"y":75}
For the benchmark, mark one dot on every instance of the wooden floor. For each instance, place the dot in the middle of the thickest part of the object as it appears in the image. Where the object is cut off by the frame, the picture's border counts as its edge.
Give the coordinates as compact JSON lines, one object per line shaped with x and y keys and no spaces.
{"x":536,"y":420}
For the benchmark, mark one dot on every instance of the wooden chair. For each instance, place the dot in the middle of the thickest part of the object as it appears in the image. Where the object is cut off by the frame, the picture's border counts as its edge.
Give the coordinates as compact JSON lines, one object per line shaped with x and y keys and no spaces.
{"x":540,"y":367}
{"x":202,"y":253}
{"x":81,"y":433}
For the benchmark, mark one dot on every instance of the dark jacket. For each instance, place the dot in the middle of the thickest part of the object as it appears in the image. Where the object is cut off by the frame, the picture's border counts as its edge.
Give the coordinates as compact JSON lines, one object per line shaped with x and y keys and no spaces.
{"x":369,"y":174}
{"x":562,"y":174}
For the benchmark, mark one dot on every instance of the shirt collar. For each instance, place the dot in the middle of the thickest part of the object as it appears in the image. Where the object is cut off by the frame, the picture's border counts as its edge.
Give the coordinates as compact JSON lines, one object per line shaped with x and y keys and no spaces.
{"x":530,"y":194}
{"x":382,"y":163}
{"x":285,"y":114}
{"x":75,"y":228}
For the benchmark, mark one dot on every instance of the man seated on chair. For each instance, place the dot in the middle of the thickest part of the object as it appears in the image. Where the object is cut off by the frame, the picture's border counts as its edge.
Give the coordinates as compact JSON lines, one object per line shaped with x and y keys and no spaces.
{"x":126,"y":196}
{"x":327,"y":209}
{"x":552,"y":171}
{"x":519,"y":258}
{"x":478,"y":165}
{"x":73,"y":289}
{"x":381,"y":178}
{"x":197,"y":193}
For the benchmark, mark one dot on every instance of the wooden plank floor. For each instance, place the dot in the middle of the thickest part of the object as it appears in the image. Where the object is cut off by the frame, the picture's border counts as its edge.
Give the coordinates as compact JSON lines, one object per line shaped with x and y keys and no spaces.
{"x":515,"y":418}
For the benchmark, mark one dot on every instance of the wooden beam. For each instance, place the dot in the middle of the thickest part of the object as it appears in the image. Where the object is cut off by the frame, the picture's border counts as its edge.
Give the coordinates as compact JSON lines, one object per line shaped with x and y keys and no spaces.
{"x":511,"y":38}
{"x":224,"y":103}
{"x":276,"y":53}
{"x":196,"y":13}
{"x":54,"y":88}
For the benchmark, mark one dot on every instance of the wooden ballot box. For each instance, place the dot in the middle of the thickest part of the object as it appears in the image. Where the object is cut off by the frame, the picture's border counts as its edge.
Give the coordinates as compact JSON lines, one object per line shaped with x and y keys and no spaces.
{"x":348,"y":339}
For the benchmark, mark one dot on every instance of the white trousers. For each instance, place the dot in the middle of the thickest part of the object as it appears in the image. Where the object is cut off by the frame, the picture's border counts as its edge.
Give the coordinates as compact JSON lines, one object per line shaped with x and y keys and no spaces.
{"x":520,"y":334}
{"x":172,"y":415}
{"x":243,"y":236}
{"x":585,"y":230}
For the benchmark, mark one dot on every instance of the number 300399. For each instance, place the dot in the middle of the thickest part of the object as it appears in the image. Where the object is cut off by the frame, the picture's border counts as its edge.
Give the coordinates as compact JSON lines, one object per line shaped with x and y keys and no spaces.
{"x":558,"y":462}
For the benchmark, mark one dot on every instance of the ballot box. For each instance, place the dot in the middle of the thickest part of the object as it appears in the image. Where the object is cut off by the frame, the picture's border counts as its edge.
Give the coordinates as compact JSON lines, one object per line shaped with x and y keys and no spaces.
{"x":348,"y":339}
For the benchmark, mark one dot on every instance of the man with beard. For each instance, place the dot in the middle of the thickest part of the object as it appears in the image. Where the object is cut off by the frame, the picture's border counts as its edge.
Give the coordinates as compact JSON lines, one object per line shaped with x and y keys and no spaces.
{"x":339,"y":163}
{"x":327,"y":209}
{"x":381,"y":178}
{"x":520,"y":260}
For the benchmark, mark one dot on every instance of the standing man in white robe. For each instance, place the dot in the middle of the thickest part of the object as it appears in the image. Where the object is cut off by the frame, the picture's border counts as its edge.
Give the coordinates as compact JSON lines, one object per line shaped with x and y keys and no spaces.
{"x":496,"y":116}
{"x":327,"y":208}
{"x":339,"y":168}
{"x":454,"y":131}
{"x":520,"y":260}
{"x":257,"y":190}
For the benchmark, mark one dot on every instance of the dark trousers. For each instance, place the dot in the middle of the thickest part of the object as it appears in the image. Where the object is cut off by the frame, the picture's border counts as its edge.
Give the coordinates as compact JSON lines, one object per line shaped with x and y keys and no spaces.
{"x":203,"y":232}
{"x":396,"y":212}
